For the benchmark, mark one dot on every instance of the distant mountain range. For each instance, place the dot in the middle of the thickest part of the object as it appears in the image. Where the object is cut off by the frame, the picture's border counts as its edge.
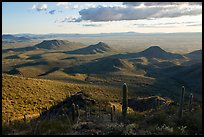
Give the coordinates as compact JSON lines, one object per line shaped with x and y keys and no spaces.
{"x":57,"y":35}
{"x":50,"y":45}
{"x":12,"y":38}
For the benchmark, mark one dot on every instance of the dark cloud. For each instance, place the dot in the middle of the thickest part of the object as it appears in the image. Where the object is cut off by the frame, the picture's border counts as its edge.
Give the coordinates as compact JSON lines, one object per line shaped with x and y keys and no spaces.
{"x":159,"y":3}
{"x":71,"y":19}
{"x":155,"y":26}
{"x":131,"y":13}
{"x":52,"y":12}
{"x":92,"y":25}
{"x":195,"y":3}
{"x":116,"y":13}
{"x":191,"y":25}
{"x":167,"y":24}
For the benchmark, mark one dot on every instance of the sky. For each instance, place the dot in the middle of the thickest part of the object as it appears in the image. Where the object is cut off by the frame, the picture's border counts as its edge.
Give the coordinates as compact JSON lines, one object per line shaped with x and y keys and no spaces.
{"x":101,"y":17}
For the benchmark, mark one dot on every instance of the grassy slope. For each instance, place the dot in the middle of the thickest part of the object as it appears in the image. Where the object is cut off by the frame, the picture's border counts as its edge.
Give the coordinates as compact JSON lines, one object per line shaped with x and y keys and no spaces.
{"x":29,"y":96}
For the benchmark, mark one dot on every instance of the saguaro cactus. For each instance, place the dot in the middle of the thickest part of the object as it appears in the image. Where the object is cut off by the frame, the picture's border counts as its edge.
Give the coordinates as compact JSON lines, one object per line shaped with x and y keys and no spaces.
{"x":73,"y":112}
{"x":99,"y":111}
{"x":190,"y":102}
{"x":77,"y":112}
{"x":114,"y":113}
{"x":125,"y":100}
{"x":24,"y":118}
{"x":111,"y":114}
{"x":180,"y":112}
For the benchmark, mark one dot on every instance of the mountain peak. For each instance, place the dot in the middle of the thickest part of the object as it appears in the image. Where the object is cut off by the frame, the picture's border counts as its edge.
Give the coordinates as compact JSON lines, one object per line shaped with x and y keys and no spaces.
{"x":58,"y":44}
{"x":51,"y":44}
{"x":102,"y":44}
{"x":100,"y":47}
{"x":54,"y":41}
{"x":157,"y":52}
{"x":153,"y":49}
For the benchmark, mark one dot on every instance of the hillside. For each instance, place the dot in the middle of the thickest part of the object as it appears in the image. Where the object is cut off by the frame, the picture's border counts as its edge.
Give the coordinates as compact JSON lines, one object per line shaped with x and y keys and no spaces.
{"x":43,"y":107}
{"x":58,"y":45}
{"x":93,"y":49}
{"x":102,"y":65}
{"x":195,"y":54}
{"x":151,"y":52}
{"x":31,"y":96}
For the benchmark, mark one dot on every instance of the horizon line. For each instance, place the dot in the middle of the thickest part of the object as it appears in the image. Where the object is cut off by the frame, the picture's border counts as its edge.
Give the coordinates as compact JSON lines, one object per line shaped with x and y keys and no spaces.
{"x":101,"y":33}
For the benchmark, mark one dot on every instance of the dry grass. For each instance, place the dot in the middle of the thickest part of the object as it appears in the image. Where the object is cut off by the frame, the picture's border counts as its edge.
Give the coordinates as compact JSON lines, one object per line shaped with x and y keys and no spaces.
{"x":22,"y":96}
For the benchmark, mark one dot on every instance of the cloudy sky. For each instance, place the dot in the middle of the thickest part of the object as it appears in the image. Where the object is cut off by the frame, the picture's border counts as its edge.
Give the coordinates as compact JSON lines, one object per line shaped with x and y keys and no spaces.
{"x":100,"y":17}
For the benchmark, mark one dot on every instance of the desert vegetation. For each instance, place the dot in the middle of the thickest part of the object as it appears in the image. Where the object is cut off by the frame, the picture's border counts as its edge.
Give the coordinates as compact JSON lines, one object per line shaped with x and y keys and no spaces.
{"x":77,"y":111}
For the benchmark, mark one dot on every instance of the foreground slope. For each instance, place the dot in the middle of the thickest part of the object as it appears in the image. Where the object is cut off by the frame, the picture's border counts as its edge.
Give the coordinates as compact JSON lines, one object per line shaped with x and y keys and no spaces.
{"x":30,"y":96}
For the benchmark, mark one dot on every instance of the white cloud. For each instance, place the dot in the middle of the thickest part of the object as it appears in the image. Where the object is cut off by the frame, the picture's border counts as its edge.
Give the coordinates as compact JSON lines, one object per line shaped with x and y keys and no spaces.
{"x":62,"y":3}
{"x":72,"y":6}
{"x":39,"y":7}
{"x":83,"y":6}
{"x":86,"y":6}
{"x":33,"y":7}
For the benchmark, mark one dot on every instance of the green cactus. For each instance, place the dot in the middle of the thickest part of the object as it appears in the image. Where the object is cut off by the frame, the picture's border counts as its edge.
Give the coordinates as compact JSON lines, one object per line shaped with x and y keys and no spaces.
{"x":73,"y":112}
{"x":125,"y":100}
{"x":190,"y":102}
{"x":114,"y":113}
{"x":180,"y":112}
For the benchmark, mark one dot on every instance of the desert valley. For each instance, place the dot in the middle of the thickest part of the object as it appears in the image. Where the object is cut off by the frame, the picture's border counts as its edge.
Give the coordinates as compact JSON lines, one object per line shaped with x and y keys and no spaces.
{"x":102,"y":68}
{"x":46,"y":72}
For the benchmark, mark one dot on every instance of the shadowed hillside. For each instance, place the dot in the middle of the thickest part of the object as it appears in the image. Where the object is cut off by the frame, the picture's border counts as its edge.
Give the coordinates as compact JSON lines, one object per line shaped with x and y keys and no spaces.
{"x":103,"y":65}
{"x":157,"y":52}
{"x":195,"y":54}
